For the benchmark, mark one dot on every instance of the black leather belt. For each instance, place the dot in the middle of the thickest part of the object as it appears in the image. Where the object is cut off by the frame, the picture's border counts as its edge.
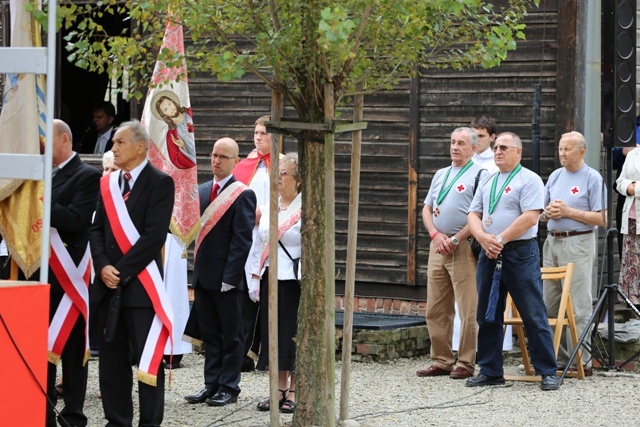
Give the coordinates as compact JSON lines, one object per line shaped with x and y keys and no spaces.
{"x":568,"y":233}
{"x":517,"y":243}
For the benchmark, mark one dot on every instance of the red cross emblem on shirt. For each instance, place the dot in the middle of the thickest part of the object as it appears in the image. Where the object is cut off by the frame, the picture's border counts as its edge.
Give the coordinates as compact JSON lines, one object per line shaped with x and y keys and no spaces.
{"x":507,"y":190}
{"x":460,"y":188}
{"x":575,"y":190}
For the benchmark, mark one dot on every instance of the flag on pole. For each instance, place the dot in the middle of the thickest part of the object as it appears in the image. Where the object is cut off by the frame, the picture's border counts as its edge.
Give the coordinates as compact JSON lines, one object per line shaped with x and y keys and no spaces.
{"x":167,"y":116}
{"x":21,"y":206}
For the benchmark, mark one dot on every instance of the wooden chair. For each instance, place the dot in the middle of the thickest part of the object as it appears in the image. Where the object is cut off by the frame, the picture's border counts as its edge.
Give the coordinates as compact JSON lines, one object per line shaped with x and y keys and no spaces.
{"x":563,"y":318}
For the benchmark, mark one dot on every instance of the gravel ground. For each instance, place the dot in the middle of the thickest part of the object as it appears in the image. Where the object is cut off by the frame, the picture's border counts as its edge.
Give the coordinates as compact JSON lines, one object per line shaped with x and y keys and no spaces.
{"x":390,"y":394}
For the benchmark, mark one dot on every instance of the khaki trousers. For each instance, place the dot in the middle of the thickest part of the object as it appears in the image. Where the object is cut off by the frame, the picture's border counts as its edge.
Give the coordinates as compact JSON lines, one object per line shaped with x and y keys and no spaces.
{"x":581,"y":251}
{"x":451,"y":279}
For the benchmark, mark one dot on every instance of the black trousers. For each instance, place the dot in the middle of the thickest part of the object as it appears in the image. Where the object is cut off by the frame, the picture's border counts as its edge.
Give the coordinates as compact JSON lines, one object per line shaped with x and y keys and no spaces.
{"x":74,"y":375}
{"x":116,"y":379}
{"x":220,"y":322}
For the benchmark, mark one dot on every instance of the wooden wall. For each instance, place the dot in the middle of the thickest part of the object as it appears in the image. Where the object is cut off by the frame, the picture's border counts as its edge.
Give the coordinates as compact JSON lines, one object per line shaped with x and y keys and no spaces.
{"x":449,"y":99}
{"x":406,"y":142}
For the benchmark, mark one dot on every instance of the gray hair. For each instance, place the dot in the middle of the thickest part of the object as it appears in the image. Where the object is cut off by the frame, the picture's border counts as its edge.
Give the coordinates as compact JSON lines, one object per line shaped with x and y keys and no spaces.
{"x":473,"y":136}
{"x":107,"y":157}
{"x":292,"y":159}
{"x":138,"y":131}
{"x":516,"y":139}
{"x":576,"y":136}
{"x":61,"y":127}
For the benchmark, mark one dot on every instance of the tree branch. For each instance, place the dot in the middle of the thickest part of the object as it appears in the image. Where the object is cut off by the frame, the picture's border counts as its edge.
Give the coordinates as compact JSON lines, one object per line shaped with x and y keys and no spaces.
{"x":274,"y":15}
{"x":358,"y":40}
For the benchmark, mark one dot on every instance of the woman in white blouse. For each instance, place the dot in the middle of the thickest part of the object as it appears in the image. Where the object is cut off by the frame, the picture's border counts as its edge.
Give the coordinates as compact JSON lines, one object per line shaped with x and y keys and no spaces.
{"x":289,"y":249}
{"x":626,"y":185}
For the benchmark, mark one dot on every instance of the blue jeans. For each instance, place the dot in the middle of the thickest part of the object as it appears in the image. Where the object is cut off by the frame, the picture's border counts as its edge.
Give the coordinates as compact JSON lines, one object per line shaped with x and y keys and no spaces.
{"x":521,"y":277}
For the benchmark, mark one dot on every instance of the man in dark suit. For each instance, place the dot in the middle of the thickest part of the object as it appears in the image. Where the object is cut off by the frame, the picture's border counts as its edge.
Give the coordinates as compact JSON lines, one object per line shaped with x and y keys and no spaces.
{"x":73,"y":198}
{"x":228,"y":209}
{"x":134,"y":207}
{"x":99,"y":138}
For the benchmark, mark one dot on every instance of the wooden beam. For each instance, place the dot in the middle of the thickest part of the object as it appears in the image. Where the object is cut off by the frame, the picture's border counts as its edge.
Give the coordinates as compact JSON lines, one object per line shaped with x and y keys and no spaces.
{"x":274,"y":394}
{"x":412,"y":185}
{"x":566,"y":68}
{"x":287,"y":125}
{"x":352,"y":245}
{"x":332,"y":126}
{"x":349,"y":127}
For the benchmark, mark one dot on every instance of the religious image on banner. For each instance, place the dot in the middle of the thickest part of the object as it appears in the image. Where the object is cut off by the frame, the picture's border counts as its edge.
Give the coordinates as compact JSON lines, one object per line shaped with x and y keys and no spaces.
{"x":169,"y":121}
{"x":21,"y":206}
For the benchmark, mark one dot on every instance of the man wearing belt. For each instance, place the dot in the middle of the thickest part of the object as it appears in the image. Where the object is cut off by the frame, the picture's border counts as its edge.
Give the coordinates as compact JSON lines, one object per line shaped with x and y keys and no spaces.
{"x":575,"y":200}
{"x":451,"y":270}
{"x":503,"y":217}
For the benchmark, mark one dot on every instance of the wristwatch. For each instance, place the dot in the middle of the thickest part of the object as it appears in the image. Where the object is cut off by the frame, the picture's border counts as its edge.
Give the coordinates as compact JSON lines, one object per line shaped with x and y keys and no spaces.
{"x":454,"y":240}
{"x":499,"y":239}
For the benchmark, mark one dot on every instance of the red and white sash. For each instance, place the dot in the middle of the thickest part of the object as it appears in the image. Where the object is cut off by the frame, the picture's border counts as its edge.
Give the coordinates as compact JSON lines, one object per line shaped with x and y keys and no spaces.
{"x":74,"y":280}
{"x":286,"y":220}
{"x":126,"y":236}
{"x":217,"y":209}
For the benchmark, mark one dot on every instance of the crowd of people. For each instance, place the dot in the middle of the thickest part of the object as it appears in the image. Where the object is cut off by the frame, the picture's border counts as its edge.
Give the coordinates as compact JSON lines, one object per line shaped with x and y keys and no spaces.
{"x":119,"y":280}
{"x":493,"y":201}
{"x":138,"y":296}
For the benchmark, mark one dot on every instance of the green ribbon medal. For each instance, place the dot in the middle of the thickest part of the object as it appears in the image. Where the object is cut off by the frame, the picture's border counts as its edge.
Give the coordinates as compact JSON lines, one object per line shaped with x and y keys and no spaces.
{"x":445,"y":190}
{"x":495,"y":197}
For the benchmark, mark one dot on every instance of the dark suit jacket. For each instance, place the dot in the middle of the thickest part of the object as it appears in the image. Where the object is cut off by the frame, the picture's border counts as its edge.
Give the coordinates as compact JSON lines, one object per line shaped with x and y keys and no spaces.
{"x":150,"y":205}
{"x":74,"y":193}
{"x":223,"y":252}
{"x":88,"y":142}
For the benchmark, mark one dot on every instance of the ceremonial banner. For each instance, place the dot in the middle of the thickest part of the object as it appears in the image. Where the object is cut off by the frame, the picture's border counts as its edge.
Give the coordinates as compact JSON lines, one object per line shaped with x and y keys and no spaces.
{"x":167,"y":116}
{"x":21,"y":206}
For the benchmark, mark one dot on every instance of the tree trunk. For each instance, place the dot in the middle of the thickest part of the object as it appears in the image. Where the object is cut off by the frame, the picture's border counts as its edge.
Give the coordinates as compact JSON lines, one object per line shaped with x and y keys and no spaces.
{"x":311,"y":357}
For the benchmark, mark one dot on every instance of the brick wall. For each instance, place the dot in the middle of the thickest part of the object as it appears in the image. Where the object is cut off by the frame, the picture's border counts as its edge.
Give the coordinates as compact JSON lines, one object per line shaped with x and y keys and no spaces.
{"x":385,"y":305}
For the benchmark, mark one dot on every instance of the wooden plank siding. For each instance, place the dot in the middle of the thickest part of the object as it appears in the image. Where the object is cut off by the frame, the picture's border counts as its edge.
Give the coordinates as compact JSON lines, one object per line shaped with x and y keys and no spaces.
{"x":392,"y":244}
{"x":406,"y":141}
{"x":449,"y":99}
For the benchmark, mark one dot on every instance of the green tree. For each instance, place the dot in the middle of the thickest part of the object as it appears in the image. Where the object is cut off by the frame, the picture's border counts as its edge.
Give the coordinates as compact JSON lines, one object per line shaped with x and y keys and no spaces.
{"x":295,"y":47}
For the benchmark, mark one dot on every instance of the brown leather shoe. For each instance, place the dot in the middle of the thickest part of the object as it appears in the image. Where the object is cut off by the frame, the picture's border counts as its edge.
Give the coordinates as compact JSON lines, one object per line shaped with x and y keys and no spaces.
{"x":460,"y":373}
{"x":432,"y":371}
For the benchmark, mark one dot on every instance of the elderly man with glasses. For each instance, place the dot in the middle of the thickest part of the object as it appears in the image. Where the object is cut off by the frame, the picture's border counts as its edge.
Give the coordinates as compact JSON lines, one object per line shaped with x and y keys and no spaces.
{"x":503,"y":217}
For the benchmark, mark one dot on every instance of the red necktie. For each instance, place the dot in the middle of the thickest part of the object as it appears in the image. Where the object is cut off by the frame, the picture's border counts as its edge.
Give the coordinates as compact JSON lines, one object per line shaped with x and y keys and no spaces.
{"x":214,"y":192}
{"x":127,"y":189}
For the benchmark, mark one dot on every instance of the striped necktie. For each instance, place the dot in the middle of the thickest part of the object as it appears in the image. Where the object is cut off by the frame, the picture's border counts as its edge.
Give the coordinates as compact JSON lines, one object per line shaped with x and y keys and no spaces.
{"x":126,"y":190}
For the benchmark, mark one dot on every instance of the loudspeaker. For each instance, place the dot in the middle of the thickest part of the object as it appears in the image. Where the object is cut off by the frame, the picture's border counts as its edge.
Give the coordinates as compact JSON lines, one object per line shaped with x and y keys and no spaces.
{"x":624,"y":70}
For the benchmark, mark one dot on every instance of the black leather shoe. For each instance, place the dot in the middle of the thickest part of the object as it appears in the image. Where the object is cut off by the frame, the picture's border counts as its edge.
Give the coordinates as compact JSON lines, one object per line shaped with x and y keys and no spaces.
{"x":484,"y":380}
{"x":222,"y":398}
{"x":549,"y":382}
{"x":201,"y":396}
{"x":248,"y":365}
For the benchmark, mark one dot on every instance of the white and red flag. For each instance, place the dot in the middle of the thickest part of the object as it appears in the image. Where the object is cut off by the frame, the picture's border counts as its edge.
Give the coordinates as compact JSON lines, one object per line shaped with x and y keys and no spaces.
{"x":21,"y":207}
{"x":169,"y":121}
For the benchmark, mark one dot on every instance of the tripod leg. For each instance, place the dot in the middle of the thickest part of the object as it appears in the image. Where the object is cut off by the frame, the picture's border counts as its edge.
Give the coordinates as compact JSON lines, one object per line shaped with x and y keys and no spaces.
{"x":593,"y":320}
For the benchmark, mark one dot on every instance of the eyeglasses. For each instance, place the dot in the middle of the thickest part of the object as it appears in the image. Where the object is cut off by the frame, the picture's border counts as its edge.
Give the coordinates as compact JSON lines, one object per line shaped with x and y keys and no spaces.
{"x":221,"y":156}
{"x":502,"y":148}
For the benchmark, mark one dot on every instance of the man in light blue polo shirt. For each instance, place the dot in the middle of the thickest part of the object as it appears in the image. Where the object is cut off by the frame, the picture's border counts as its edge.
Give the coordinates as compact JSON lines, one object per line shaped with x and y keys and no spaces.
{"x":575,"y":203}
{"x":503,"y":217}
{"x":452,"y":265}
